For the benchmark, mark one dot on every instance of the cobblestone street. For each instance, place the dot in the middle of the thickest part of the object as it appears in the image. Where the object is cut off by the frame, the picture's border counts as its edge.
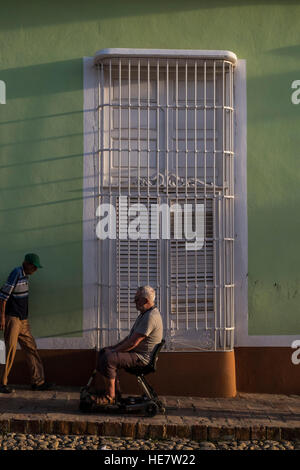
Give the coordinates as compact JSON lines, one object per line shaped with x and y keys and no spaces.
{"x":13,"y":441}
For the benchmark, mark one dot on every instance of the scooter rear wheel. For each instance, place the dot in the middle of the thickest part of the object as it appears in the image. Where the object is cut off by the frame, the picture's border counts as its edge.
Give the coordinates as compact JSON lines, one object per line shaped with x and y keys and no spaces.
{"x":151,"y":409}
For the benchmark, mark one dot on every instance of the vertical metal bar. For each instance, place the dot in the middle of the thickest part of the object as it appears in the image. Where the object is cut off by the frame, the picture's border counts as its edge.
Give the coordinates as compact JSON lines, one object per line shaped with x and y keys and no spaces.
{"x":129,"y":192}
{"x":102,"y":161}
{"x":205,"y":208}
{"x":214,"y":195}
{"x":232,"y":160}
{"x":110,"y":309}
{"x":129,"y":125}
{"x":157,"y":128}
{"x":148,"y":157}
{"x":176,"y":156}
{"x":100,"y":187}
{"x":110,"y":106}
{"x":158,"y":174}
{"x":167,"y":129}
{"x":231,"y":253}
{"x":186,"y":193}
{"x":195,"y":196}
{"x":120,"y":128}
{"x":168,"y":249}
{"x":225,"y":293}
{"x":139,"y":157}
{"x":219,"y":203}
{"x":157,"y":171}
{"x":186,"y":129}
{"x":119,"y":192}
{"x":99,"y":202}
{"x":230,"y":216}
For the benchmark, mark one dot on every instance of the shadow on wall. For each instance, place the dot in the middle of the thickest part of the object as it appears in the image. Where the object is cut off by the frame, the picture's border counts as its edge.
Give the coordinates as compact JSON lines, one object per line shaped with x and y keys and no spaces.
{"x":291,"y":51}
{"x":41,"y":150}
{"x":33,"y":13}
{"x":275,"y":90}
{"x":43,"y":79}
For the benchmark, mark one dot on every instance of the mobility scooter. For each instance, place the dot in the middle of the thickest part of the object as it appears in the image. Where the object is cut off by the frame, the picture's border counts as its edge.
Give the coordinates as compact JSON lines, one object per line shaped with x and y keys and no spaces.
{"x":148,"y":403}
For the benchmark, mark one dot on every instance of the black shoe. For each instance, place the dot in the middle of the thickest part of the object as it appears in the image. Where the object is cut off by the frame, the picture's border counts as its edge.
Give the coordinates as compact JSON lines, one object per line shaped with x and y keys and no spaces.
{"x":43,"y":386}
{"x":6,"y":389}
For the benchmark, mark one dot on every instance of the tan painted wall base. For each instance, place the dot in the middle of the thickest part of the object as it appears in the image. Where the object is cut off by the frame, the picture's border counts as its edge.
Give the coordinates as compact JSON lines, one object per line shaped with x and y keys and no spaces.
{"x":267,"y":370}
{"x":210,"y":374}
{"x":205,"y":374}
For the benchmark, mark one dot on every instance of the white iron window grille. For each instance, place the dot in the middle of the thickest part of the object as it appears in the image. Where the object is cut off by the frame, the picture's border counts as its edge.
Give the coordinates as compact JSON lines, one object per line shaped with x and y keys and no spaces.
{"x":165,"y":135}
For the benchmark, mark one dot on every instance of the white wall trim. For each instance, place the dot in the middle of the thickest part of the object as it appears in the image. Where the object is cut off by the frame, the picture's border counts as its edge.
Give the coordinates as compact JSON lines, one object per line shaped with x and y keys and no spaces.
{"x":240,"y":204}
{"x":165,"y":54}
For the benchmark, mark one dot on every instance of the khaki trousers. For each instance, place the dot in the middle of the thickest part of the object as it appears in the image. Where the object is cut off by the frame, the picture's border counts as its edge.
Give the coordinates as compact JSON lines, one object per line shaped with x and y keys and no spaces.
{"x":15,"y":331}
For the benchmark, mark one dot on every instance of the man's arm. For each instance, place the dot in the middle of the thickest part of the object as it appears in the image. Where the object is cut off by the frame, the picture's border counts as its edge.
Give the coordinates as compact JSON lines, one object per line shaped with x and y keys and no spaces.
{"x":2,"y":314}
{"x":5,"y":293}
{"x":129,"y":343}
{"x":118,"y":344}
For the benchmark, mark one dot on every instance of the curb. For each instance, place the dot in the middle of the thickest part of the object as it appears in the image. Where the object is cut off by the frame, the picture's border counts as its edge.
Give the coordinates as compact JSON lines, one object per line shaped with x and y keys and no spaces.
{"x":140,"y":430}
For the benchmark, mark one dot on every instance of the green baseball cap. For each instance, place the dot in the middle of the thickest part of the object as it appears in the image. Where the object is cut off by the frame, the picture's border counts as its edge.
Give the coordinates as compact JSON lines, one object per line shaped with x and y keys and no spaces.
{"x":33,"y":259}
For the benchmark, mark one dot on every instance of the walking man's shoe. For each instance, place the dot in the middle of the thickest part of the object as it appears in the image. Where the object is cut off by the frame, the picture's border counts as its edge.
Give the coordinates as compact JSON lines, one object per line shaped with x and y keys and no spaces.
{"x":6,"y":389}
{"x":43,"y":386}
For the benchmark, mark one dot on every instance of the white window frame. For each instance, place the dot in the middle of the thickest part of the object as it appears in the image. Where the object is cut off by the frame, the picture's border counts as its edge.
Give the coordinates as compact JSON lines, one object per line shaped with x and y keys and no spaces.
{"x":90,"y":143}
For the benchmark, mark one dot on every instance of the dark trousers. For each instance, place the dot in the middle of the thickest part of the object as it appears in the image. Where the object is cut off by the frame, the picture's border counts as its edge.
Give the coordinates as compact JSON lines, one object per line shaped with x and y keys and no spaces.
{"x":109,"y":362}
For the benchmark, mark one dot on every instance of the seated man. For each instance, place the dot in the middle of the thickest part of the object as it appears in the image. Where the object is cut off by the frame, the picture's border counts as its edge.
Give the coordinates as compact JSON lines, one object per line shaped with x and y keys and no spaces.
{"x":136,"y":349}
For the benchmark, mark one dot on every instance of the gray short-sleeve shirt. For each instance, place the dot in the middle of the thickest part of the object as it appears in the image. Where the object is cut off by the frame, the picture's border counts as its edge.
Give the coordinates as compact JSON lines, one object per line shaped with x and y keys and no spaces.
{"x":149,"y":324}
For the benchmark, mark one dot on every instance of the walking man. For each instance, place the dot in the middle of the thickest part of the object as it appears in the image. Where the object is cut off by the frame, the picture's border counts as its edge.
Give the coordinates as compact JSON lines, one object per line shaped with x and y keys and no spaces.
{"x":14,"y":322}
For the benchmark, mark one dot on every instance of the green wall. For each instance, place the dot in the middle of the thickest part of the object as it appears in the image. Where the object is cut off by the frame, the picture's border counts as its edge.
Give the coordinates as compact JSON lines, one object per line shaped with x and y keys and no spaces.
{"x":41,"y":138}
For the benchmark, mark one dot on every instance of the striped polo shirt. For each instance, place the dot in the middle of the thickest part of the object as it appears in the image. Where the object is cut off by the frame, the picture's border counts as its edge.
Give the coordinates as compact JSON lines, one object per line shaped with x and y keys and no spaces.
{"x":15,"y":293}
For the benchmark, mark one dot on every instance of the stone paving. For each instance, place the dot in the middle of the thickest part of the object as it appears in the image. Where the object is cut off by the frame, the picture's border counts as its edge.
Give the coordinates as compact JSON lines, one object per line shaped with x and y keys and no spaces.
{"x":247,"y":417}
{"x":13,"y":441}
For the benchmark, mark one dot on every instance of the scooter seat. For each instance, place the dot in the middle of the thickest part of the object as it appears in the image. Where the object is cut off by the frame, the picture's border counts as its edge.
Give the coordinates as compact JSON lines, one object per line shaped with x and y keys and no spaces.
{"x":151,"y":367}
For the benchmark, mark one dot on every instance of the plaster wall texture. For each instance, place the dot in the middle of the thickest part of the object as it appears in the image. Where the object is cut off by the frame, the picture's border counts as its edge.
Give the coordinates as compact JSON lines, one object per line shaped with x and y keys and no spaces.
{"x":41,"y":139}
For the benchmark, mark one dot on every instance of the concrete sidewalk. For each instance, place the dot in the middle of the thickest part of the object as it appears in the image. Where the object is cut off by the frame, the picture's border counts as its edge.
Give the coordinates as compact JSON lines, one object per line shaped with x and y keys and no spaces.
{"x":247,"y":416}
